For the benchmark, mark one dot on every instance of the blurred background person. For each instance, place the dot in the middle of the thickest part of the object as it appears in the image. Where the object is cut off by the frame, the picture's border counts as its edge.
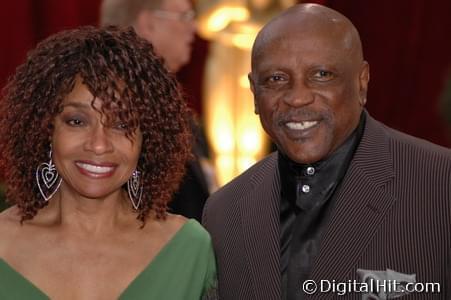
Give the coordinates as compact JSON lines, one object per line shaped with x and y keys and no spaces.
{"x":94,"y":137}
{"x":169,"y":25}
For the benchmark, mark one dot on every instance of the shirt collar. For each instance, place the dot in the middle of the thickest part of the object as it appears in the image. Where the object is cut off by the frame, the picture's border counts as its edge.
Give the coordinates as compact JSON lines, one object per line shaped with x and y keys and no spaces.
{"x":308,"y":185}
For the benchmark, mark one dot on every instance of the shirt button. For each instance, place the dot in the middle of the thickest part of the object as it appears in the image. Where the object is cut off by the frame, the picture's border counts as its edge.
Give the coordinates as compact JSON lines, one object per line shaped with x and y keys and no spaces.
{"x":305,"y":188}
{"x":310,"y":170}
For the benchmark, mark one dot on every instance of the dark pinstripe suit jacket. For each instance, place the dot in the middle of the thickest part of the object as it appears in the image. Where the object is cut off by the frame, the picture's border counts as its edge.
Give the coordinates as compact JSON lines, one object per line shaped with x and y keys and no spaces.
{"x":393,"y":210}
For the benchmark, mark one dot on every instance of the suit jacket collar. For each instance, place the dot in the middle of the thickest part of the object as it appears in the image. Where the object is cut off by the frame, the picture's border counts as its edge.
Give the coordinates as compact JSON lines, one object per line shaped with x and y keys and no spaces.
{"x":363,"y":201}
{"x":373,"y":153}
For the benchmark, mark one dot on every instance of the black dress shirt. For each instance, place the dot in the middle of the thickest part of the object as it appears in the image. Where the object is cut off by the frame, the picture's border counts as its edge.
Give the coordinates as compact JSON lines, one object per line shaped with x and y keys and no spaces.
{"x":306,"y":198}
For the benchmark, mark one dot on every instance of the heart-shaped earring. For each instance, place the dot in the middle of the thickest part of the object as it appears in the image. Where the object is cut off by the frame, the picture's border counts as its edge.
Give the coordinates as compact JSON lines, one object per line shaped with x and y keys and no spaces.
{"x":135,"y":189}
{"x":48,"y":179}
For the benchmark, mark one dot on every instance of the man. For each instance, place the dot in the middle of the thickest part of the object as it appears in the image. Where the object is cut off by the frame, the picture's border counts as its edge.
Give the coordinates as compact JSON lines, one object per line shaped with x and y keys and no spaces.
{"x":345,"y":199}
{"x":169,"y":26}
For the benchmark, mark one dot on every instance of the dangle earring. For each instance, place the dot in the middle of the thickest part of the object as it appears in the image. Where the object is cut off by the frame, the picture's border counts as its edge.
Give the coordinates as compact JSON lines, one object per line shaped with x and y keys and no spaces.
{"x":48,"y":179}
{"x":135,"y":189}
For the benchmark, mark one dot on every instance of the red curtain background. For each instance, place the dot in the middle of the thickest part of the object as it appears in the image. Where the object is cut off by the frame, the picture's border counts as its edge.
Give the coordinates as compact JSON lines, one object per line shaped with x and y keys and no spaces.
{"x":24,"y":23}
{"x":407,"y":43}
{"x":408,"y":47}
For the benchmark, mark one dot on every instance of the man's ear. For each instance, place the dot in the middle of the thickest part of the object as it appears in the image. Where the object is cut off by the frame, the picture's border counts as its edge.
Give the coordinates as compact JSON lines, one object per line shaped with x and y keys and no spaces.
{"x":364,"y":78}
{"x":144,"y":24}
{"x":252,"y":85}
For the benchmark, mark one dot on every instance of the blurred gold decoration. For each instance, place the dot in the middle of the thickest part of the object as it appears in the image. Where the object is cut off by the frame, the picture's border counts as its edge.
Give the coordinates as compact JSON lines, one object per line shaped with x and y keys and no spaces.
{"x":234,"y":130}
{"x":236,"y":22}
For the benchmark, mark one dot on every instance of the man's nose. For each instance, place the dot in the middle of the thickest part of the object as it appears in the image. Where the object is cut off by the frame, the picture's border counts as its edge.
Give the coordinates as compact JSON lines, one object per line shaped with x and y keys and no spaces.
{"x":99,"y":140}
{"x":299,"y":94}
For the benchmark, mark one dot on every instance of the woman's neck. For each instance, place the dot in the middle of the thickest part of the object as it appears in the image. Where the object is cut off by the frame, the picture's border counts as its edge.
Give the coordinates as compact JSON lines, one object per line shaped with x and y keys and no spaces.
{"x":73,"y":211}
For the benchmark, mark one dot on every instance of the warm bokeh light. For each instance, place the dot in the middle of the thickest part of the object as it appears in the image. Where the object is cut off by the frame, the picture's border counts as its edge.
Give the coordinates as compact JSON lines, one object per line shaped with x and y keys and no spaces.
{"x":222,"y":129}
{"x":250,"y":141}
{"x":243,"y":40}
{"x":223,"y":16}
{"x":224,"y":168}
{"x":244,"y":81}
{"x":234,"y":131}
{"x":245,"y":163}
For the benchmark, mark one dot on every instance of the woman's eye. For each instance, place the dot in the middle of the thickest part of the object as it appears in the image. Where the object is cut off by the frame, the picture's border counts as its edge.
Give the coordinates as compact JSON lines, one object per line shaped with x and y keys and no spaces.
{"x":75,"y":122}
{"x":121,"y":126}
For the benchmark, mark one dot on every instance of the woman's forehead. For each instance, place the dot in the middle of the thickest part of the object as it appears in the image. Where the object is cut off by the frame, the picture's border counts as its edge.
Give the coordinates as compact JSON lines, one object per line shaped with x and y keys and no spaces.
{"x":83,"y":93}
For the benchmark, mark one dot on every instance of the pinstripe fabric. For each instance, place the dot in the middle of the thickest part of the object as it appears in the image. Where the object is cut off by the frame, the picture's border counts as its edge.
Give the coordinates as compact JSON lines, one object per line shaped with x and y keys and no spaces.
{"x":245,"y":234}
{"x":393,"y":210}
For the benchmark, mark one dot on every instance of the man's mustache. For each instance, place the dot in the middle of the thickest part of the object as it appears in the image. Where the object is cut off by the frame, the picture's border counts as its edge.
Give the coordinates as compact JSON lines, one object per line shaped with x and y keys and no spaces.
{"x":302,"y":114}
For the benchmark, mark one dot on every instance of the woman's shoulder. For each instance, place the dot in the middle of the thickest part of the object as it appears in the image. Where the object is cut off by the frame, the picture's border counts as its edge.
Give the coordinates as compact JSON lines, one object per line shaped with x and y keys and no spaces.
{"x":10,"y":217}
{"x":186,"y":229}
{"x":9,"y":224}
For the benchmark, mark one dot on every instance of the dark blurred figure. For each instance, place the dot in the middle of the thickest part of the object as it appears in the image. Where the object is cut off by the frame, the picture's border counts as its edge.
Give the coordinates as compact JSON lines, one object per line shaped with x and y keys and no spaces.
{"x":445,"y":101}
{"x":169,"y":26}
{"x":3,"y":204}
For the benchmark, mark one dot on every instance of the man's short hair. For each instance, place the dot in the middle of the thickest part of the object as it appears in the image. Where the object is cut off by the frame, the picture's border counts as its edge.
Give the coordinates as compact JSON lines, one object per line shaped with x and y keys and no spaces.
{"x":124,"y":12}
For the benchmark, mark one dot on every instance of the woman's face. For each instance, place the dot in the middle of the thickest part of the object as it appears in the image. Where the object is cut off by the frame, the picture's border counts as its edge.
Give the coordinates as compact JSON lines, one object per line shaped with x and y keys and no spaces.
{"x":94,"y":159}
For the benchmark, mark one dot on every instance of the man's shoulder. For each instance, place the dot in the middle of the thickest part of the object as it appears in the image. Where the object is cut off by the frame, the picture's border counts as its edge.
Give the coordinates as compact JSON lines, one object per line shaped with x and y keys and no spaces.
{"x":379,"y":135}
{"x":247,"y":181}
{"x":408,"y":143}
{"x":251,"y":177}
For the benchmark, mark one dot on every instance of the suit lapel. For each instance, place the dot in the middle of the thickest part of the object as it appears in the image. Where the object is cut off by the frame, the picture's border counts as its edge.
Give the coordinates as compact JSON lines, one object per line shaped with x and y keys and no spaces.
{"x":260,"y":218}
{"x":360,"y":206}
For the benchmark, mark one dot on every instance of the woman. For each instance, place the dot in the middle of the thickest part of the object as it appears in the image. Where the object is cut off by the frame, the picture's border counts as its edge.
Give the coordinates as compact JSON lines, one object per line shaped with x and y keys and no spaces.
{"x":94,"y":138}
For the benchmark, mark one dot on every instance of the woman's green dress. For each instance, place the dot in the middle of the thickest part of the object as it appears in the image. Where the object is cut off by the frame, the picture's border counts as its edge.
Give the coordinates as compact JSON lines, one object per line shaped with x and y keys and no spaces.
{"x":184,"y":269}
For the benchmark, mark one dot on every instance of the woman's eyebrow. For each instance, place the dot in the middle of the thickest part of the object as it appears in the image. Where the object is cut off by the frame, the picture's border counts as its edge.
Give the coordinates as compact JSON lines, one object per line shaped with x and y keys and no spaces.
{"x":76,"y":105}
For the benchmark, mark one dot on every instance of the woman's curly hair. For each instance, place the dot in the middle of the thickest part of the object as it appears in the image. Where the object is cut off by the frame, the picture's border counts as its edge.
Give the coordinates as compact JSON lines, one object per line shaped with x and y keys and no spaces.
{"x":121,"y":69}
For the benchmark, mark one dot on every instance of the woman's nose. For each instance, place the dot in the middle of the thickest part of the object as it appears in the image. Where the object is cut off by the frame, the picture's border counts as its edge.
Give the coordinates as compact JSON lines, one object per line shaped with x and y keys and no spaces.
{"x":99,"y":140}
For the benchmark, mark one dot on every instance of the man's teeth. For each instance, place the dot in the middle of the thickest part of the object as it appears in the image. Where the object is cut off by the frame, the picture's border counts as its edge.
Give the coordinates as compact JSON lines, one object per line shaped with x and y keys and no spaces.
{"x":301,"y":125}
{"x":95,"y":169}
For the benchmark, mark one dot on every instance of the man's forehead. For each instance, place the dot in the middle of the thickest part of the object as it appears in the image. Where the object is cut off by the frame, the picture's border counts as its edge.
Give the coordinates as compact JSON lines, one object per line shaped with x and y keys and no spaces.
{"x":304,"y":28}
{"x":289,"y":58}
{"x":329,"y":30}
{"x":299,"y":42}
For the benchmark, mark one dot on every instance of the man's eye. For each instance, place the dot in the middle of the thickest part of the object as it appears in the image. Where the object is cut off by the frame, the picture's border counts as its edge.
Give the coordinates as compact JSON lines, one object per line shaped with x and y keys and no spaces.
{"x":276,"y":78}
{"x":323,"y":75}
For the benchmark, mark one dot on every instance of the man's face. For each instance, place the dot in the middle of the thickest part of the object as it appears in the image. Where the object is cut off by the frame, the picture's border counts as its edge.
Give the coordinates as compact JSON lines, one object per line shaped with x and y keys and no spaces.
{"x":309,"y":92}
{"x":171,"y":32}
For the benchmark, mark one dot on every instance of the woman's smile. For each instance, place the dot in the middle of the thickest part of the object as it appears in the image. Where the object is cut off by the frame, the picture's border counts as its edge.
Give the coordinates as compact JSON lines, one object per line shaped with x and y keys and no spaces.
{"x":96,"y":170}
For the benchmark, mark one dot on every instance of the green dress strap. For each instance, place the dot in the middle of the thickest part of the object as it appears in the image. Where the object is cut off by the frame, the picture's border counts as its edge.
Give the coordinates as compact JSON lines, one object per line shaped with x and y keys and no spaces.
{"x":14,"y":286}
{"x":184,"y":269}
